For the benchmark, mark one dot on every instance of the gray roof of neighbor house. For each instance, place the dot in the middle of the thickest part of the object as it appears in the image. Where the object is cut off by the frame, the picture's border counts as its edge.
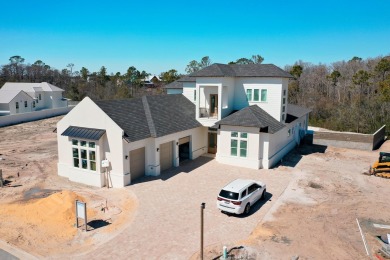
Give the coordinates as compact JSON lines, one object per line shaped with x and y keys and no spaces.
{"x":296,"y":110}
{"x":241,"y":70}
{"x":178,"y":84}
{"x":151,"y":116}
{"x":253,"y":116}
{"x":30,"y":87}
{"x":6,"y":96}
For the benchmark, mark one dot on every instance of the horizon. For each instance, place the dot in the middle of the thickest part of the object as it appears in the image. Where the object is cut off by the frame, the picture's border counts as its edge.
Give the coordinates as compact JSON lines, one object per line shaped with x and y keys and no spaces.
{"x":159,"y":36}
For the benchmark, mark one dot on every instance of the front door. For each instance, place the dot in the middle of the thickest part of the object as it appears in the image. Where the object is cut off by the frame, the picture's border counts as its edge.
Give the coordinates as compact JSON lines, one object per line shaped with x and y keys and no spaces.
{"x":213,"y":105}
{"x":212,"y":143}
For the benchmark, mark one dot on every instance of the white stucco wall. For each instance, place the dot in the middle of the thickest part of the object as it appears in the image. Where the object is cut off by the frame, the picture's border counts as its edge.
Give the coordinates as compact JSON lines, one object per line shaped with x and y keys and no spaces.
{"x":88,"y":114}
{"x":223,"y":150}
{"x":21,"y":97}
{"x":274,"y":87}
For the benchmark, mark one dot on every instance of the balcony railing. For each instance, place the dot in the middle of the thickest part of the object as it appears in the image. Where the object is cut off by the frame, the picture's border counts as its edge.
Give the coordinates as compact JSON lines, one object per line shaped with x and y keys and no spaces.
{"x":204,"y":112}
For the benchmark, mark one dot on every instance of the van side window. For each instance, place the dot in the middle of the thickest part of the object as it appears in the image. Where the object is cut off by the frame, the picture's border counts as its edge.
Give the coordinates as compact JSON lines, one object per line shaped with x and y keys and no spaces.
{"x":243,"y":194}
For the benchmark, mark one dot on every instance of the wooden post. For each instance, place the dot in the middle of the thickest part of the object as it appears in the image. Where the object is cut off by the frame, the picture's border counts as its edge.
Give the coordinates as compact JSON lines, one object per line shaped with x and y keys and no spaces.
{"x":1,"y":178}
{"x":202,"y":206}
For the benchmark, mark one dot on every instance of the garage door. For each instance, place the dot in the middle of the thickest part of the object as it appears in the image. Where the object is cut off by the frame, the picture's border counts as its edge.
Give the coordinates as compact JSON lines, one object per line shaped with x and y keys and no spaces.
{"x":137,"y":163}
{"x":166,"y":156}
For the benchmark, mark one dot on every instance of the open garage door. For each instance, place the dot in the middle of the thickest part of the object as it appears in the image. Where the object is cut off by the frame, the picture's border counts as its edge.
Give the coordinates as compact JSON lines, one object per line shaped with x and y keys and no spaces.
{"x":184,"y":148}
{"x":137,"y":163}
{"x":166,"y":156}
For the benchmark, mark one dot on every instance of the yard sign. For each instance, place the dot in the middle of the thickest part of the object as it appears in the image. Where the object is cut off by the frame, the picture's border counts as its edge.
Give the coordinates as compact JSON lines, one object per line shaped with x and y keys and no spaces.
{"x":81,"y":212}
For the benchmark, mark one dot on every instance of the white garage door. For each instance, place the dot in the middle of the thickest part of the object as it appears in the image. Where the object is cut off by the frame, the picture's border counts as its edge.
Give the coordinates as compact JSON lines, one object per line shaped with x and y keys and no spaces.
{"x":166,"y":156}
{"x":137,"y":163}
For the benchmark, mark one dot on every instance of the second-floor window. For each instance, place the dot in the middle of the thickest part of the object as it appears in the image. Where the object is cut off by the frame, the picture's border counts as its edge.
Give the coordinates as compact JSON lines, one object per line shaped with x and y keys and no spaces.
{"x":25,"y":103}
{"x":263,"y":95}
{"x":40,"y":97}
{"x":17,"y":105}
{"x":249,"y":94}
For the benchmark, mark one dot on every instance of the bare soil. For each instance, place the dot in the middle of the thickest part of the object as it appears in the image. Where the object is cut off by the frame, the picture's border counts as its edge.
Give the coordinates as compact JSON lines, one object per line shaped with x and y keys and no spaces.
{"x":37,"y":206}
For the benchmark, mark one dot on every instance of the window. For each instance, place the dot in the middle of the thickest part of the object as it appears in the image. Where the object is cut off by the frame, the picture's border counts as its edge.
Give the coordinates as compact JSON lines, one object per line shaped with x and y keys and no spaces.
{"x":289,"y":132}
{"x":252,"y":188}
{"x":256,"y":95}
{"x":243,"y":194}
{"x":40,"y":97}
{"x":238,"y":144}
{"x":249,"y":94}
{"x":228,"y":194}
{"x":284,"y":101}
{"x":85,"y":153}
{"x":25,"y":103}
{"x":33,"y":104}
{"x":263,"y":95}
{"x":195,"y":95}
{"x":284,"y":92}
{"x":283,"y":117}
{"x":283,"y":109}
{"x":17,"y":105}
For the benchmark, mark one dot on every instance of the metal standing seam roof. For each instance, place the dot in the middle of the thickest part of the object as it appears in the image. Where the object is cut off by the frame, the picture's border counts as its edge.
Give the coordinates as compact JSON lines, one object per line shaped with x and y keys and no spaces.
{"x":84,"y":133}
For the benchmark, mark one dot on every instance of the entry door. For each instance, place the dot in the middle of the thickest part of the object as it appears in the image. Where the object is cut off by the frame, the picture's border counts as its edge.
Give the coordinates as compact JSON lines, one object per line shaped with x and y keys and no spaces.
{"x":213,"y":105}
{"x":212,"y":143}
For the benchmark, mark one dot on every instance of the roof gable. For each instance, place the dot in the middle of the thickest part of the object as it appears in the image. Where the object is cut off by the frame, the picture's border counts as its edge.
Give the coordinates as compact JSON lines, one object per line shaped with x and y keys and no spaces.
{"x":253,"y":116}
{"x":7,"y":96}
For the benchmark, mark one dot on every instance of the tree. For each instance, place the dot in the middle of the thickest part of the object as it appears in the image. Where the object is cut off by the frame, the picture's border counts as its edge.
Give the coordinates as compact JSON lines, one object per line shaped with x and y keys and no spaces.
{"x":84,"y":73}
{"x":70,"y":65}
{"x":382,"y":67}
{"x":194,"y":66}
{"x":296,"y":70}
{"x":169,"y":76}
{"x":257,"y":59}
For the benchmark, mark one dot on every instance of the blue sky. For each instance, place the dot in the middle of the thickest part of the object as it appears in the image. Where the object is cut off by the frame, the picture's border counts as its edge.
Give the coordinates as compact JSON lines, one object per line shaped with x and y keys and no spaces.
{"x":160,"y":35}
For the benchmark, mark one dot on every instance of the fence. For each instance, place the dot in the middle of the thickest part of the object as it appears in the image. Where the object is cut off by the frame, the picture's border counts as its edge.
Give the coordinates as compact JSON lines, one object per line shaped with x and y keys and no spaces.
{"x":350,"y":140}
{"x":31,"y":116}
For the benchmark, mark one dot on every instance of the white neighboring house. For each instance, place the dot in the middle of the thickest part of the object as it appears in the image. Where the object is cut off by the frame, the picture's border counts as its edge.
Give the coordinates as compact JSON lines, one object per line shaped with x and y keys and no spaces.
{"x":19,"y":97}
{"x":240,"y":113}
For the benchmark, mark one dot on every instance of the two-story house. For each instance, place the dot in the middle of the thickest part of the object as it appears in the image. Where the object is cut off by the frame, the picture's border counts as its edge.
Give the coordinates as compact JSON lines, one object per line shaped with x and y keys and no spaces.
{"x":240,"y":113}
{"x":18,"y":97}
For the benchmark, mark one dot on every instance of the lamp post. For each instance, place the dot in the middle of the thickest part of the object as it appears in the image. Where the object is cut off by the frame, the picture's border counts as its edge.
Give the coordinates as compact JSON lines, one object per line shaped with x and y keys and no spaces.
{"x":202,"y":207}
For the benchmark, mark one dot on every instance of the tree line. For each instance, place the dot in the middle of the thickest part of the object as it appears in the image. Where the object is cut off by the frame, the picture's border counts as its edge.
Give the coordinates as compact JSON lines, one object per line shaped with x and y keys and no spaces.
{"x":351,"y":95}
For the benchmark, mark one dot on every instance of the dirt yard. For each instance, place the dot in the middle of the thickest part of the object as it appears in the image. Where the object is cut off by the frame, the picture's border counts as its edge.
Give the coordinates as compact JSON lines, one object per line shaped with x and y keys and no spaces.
{"x":37,"y":206}
{"x":314,"y":217}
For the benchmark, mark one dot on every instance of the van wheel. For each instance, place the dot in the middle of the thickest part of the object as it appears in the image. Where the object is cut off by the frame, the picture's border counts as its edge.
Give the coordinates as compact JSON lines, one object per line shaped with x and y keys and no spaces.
{"x":263,"y":195}
{"x":247,"y":209}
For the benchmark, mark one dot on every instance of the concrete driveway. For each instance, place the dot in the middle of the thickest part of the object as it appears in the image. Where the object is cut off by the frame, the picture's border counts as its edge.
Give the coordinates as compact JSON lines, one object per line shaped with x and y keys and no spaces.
{"x":167,"y":221}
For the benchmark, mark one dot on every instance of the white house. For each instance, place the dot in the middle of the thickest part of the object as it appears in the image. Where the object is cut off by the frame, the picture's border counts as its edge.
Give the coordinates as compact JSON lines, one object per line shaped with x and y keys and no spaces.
{"x":19,"y":97}
{"x":240,"y":113}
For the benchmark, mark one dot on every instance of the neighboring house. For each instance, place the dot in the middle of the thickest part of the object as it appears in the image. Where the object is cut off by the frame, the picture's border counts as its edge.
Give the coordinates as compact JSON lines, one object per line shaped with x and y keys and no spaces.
{"x":177,"y":86}
{"x":240,"y":113}
{"x":18,"y":97}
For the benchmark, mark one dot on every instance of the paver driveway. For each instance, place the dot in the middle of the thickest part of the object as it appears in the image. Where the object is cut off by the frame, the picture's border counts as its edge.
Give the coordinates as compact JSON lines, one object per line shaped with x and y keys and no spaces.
{"x":167,"y":221}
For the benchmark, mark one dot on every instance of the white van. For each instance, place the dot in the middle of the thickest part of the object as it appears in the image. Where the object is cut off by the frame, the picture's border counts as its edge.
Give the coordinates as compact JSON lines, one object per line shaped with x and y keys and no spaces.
{"x":238,"y":196}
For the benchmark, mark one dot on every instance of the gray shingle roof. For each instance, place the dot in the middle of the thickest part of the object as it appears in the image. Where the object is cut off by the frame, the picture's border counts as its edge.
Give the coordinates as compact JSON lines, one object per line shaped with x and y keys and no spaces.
{"x":84,"y":133}
{"x":296,"y":110}
{"x":241,"y":70}
{"x":151,"y":116}
{"x":253,"y":116}
{"x":178,"y":84}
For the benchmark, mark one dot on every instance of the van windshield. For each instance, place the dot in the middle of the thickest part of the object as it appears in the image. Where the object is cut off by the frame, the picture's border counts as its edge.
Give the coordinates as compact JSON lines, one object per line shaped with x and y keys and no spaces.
{"x":229,"y":194}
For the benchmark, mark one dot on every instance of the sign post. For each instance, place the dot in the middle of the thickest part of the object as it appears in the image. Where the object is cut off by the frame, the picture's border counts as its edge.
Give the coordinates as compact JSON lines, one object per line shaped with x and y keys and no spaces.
{"x":81,"y":212}
{"x":1,"y":178}
{"x":202,"y":206}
